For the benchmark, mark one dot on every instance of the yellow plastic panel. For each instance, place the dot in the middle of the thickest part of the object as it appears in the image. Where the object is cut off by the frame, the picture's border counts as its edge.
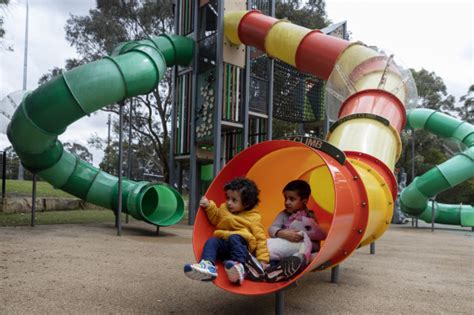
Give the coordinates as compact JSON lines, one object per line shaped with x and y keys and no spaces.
{"x":283,"y":40}
{"x":368,"y":136}
{"x":353,"y":56}
{"x":322,"y":188}
{"x":231,"y":26}
{"x":380,"y":201}
{"x":393,"y":83}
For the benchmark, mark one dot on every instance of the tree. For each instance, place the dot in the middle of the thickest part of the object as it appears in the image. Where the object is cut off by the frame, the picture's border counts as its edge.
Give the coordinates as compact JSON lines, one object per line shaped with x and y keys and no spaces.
{"x":141,"y":163}
{"x":79,"y":150}
{"x":96,"y":34}
{"x":466,"y":110}
{"x":432,"y":92}
{"x":310,"y":14}
{"x":3,"y":4}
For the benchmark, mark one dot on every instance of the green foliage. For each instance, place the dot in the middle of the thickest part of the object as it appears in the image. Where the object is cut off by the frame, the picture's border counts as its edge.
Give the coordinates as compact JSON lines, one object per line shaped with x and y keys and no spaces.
{"x":310,"y":14}
{"x":79,"y":150}
{"x":466,"y":110}
{"x":462,"y":193}
{"x":432,"y":92}
{"x":3,"y":5}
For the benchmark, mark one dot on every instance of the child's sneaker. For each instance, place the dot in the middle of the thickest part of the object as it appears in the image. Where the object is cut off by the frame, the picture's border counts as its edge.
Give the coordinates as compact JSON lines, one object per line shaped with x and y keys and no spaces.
{"x":254,"y":269}
{"x":235,"y":271}
{"x":204,"y":271}
{"x":286,"y":268}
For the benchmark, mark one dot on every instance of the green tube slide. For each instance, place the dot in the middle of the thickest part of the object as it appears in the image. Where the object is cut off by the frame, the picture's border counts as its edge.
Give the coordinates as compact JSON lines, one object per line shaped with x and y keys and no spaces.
{"x":134,"y":68}
{"x":414,"y":198}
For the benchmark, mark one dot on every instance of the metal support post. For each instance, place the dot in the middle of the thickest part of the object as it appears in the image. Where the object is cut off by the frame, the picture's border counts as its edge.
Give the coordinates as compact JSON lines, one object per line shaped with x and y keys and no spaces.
{"x":118,"y":221}
{"x":433,"y":213}
{"x":372,"y":248}
{"x":279,"y":302}
{"x":4,"y":173}
{"x":33,"y":202}
{"x":129,"y":151}
{"x":335,"y":274}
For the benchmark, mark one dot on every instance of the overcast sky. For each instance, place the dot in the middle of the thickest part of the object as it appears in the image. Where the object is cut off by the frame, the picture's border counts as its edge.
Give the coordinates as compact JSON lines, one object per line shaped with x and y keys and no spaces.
{"x":433,"y":34}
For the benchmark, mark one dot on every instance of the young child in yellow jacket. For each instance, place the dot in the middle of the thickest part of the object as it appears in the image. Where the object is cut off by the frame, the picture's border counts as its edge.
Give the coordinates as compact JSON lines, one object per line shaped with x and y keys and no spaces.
{"x":239,"y":232}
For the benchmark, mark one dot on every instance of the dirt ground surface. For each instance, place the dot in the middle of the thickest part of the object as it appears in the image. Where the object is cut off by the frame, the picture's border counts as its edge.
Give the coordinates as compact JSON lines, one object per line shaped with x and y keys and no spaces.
{"x":84,"y":269}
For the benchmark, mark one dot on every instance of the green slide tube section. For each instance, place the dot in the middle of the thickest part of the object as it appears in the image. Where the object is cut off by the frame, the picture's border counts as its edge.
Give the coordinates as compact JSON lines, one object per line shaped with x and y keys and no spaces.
{"x":414,"y":198}
{"x":134,"y":68}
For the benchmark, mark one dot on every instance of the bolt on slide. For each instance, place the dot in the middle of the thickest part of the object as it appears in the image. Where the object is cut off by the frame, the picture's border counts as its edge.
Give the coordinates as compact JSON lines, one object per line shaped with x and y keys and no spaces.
{"x":351,"y":173}
{"x":134,"y":68}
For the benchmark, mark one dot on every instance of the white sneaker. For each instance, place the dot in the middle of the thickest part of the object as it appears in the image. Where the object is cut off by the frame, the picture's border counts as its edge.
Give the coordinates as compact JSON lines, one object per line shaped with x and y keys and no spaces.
{"x":235,"y":271}
{"x":203,"y":271}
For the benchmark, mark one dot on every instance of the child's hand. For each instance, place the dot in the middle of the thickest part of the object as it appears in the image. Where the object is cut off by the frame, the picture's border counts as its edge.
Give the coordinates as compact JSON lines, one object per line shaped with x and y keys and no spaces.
{"x":264,"y":265}
{"x":290,"y":235}
{"x":204,"y":202}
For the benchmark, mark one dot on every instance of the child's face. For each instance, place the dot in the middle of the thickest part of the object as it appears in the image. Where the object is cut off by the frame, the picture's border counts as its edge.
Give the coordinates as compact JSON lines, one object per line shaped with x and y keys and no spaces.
{"x":293,"y":202}
{"x":234,"y":201}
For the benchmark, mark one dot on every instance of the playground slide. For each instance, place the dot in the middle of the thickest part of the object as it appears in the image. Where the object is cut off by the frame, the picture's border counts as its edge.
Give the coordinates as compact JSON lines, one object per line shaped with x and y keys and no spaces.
{"x":134,"y":68}
{"x":414,"y":198}
{"x":351,"y":175}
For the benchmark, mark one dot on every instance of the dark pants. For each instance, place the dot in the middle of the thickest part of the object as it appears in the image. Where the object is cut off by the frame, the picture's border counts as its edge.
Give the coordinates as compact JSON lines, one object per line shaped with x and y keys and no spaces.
{"x":234,"y":248}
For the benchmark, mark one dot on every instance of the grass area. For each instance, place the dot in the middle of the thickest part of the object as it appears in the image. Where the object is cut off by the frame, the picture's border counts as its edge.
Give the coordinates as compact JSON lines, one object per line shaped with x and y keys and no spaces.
{"x":59,"y":217}
{"x":16,"y":188}
{"x":65,"y":217}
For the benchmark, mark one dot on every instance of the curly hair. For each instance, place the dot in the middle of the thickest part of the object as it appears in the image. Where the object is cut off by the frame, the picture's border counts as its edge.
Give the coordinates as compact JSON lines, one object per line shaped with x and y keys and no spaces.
{"x":301,"y":187}
{"x":248,"y":191}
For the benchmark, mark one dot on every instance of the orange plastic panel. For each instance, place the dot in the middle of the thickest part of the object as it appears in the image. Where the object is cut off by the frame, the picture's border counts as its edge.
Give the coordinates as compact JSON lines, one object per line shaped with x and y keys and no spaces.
{"x":271,"y":165}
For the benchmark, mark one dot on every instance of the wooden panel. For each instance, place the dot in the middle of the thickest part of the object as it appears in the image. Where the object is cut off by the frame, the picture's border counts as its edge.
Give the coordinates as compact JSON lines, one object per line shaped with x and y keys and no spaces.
{"x":233,"y":54}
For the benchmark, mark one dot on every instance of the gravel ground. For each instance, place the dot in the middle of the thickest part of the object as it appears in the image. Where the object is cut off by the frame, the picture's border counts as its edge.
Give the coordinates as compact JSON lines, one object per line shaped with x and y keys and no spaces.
{"x":85,"y":269}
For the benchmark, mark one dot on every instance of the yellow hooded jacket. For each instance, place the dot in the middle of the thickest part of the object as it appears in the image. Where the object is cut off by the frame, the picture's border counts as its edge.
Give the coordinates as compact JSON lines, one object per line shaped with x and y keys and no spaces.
{"x":247,"y":223}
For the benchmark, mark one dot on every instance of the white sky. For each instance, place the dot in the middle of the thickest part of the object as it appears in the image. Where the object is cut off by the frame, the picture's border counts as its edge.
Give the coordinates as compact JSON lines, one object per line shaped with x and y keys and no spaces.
{"x":433,"y":34}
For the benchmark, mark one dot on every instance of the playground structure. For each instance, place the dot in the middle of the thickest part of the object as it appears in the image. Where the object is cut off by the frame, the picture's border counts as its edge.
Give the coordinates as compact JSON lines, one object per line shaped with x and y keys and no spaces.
{"x":353,"y":191}
{"x":351,"y":173}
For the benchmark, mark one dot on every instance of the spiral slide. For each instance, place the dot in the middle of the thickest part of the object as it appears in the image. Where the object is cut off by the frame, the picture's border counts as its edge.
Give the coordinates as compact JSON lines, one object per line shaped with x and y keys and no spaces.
{"x":351,"y":173}
{"x":134,"y":68}
{"x":414,"y":198}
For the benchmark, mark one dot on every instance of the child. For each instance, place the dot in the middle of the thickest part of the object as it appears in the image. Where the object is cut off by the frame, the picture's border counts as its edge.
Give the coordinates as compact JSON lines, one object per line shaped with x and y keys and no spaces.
{"x":294,"y":233}
{"x":238,"y":231}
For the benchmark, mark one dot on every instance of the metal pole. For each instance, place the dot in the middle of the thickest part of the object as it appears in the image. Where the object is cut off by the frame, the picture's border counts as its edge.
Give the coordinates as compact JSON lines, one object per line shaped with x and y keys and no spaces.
{"x":432,"y":213}
{"x":33,"y":202}
{"x":219,"y":88}
{"x":4,"y":173}
{"x":271,"y":72}
{"x":21,"y":170}
{"x":412,"y":154}
{"x":193,"y":190}
{"x":279,"y":302}
{"x":129,"y":152}
{"x":118,"y":222}
{"x":372,"y":248}
{"x":335,"y":274}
